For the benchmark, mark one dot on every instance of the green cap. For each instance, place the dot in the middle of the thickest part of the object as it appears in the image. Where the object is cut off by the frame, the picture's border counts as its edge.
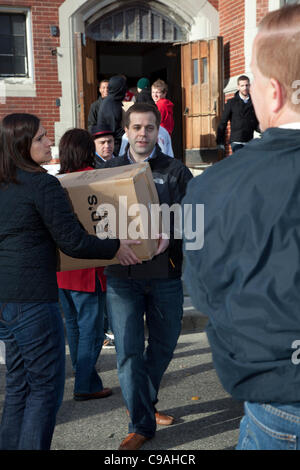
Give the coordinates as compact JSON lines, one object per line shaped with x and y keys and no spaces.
{"x":143,"y":83}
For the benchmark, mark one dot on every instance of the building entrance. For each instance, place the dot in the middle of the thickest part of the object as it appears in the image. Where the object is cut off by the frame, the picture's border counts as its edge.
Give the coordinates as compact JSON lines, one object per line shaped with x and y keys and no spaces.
{"x":138,"y":41}
{"x":151,"y":60}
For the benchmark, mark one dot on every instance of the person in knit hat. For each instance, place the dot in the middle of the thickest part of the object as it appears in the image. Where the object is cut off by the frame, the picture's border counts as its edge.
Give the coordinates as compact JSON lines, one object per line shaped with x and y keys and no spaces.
{"x":144,"y":91}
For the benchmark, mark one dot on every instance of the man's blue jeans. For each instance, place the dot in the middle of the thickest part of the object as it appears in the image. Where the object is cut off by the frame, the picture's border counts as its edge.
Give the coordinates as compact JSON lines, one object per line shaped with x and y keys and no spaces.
{"x":140,"y":370}
{"x":84,"y":316}
{"x":270,"y":427}
{"x":35,"y":360}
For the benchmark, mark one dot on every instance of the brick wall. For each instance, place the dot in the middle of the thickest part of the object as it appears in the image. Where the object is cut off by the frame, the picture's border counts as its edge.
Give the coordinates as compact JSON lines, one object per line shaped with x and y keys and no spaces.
{"x":44,"y":13}
{"x":215,"y":3}
{"x":232,"y":24}
{"x":262,"y":8}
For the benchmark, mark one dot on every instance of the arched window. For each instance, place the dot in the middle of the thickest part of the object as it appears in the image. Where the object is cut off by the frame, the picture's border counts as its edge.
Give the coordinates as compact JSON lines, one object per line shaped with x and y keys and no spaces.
{"x":135,"y":24}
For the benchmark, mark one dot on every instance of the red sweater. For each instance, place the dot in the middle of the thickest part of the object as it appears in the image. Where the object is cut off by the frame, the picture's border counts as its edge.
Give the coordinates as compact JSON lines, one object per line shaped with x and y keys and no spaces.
{"x":83,"y":280}
{"x":165,"y":107}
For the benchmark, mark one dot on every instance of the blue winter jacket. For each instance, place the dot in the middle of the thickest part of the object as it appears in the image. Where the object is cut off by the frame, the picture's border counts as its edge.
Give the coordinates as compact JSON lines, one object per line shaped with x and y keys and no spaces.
{"x":246,"y":277}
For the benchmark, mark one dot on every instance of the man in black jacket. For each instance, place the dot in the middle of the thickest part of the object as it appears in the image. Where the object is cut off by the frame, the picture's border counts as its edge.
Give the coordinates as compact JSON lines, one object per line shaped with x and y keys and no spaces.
{"x":94,"y":109}
{"x":246,"y":276}
{"x":154,"y":289}
{"x":240,"y":112}
{"x":111,"y":112}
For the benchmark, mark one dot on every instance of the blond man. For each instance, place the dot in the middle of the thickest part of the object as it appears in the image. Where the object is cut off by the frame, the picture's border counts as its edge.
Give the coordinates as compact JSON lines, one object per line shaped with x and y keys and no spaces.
{"x":246,"y":277}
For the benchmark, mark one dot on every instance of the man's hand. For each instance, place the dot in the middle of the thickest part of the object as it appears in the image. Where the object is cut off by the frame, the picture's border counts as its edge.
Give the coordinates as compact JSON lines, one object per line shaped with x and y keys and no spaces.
{"x":163,"y":244}
{"x":125,"y":254}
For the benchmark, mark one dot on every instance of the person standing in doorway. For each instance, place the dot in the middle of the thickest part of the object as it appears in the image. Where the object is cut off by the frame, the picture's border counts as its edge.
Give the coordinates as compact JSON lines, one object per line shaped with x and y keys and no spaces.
{"x":159,"y":92}
{"x":94,"y":109}
{"x":241,"y":114}
{"x":111,"y":111}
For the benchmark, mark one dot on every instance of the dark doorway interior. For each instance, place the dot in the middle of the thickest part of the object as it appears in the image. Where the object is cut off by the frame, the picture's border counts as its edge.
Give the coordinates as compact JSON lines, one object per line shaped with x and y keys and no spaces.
{"x":152,"y":60}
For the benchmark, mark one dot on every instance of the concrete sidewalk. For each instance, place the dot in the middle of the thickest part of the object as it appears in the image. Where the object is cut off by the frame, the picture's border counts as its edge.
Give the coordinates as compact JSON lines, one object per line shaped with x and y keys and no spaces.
{"x":206,"y":416}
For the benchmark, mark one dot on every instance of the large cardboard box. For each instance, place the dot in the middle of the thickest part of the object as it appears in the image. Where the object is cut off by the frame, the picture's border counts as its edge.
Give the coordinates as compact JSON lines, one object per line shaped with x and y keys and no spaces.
{"x":113,"y":203}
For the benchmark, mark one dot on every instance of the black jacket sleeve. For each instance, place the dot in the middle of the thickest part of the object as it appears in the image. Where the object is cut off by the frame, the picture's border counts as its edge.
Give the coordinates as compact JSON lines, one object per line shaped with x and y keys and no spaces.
{"x":55,"y":209}
{"x":226,"y":116}
{"x":93,"y":114}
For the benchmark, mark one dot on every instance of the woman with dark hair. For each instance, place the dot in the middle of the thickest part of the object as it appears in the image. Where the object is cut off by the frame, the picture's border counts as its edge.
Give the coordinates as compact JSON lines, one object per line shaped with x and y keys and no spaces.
{"x":76,"y":151}
{"x":82,"y":291}
{"x":35,"y":218}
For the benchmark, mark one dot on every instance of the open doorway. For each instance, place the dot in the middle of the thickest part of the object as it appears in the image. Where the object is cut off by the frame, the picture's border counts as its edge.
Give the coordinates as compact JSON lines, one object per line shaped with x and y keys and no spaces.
{"x":151,"y":60}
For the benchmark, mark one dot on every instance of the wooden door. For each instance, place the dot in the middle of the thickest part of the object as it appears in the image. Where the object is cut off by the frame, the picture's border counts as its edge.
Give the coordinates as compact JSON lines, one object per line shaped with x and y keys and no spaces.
{"x":202,"y":88}
{"x":86,"y":73}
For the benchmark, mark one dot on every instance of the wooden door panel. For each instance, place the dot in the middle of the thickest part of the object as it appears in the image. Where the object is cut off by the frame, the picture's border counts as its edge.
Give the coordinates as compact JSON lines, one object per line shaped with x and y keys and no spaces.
{"x":86,"y":74}
{"x":202,"y":88}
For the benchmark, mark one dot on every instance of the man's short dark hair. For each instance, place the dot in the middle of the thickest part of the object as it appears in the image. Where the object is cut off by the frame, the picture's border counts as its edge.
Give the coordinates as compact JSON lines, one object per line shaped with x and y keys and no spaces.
{"x":142,"y":108}
{"x":243,"y":78}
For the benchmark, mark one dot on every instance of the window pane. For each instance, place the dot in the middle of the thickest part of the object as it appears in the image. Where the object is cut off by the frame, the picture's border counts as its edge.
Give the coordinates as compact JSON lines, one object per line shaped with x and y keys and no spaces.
{"x":168,"y":31}
{"x":4,"y":24}
{"x":204,"y":70}
{"x":19,"y":45}
{"x":195,"y":71}
{"x":19,"y":65}
{"x":118,"y":26}
{"x":155,"y":27}
{"x":106,"y":29}
{"x":177,"y":34}
{"x":18,"y":24}
{"x":6,"y":45}
{"x":130,"y":24}
{"x":144,"y":25}
{"x":6,"y":65}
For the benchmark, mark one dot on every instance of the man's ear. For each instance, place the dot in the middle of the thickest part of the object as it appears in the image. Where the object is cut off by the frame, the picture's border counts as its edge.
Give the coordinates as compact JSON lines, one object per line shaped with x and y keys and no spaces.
{"x":278,"y":95}
{"x":126,"y":130}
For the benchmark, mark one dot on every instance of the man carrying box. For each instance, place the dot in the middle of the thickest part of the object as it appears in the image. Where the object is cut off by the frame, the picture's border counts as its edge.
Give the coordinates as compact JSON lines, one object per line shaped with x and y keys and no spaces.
{"x":153,"y":288}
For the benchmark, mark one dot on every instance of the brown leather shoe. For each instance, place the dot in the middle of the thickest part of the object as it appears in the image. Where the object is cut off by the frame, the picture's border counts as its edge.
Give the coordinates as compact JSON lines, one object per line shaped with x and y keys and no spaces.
{"x":162,"y":419}
{"x":133,"y":441}
{"x":106,"y":392}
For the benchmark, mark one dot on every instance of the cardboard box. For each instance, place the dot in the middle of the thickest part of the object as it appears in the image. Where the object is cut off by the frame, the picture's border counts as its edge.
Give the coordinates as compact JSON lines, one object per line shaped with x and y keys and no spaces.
{"x":113,"y":203}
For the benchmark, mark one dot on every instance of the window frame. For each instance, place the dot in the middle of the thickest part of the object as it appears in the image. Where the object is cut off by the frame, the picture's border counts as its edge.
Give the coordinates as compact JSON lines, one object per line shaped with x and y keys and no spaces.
{"x":13,"y":36}
{"x":16,"y":85}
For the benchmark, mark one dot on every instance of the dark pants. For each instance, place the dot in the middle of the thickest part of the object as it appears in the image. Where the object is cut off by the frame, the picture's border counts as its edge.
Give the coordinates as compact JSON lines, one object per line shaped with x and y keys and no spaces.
{"x":140,"y":370}
{"x":35,"y":360}
{"x":84,"y":316}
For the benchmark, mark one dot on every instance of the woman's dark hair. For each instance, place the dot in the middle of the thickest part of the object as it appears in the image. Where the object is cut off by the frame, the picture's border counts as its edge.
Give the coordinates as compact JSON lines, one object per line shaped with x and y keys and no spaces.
{"x":16,"y":134}
{"x":76,"y":150}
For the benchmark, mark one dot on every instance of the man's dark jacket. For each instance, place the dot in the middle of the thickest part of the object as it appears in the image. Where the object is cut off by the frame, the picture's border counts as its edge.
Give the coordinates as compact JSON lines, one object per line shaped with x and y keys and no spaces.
{"x":242,"y":118}
{"x":35,"y":218}
{"x":110,"y":114}
{"x":246,"y":277}
{"x":93,"y":114}
{"x":171,"y":178}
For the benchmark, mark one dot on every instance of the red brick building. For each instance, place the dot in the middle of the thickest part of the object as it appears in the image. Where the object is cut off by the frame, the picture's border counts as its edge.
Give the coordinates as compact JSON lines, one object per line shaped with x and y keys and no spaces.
{"x":53,"y":52}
